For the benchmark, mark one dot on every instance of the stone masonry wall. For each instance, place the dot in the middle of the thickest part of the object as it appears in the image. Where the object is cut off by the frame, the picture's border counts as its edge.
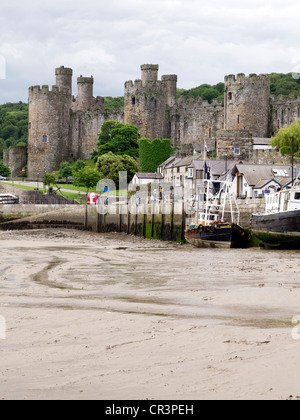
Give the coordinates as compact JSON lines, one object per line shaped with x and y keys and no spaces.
{"x":227,"y":140}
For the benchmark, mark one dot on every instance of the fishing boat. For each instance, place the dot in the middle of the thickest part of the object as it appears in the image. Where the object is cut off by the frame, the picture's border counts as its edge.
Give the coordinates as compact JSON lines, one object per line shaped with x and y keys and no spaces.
{"x":213,"y":228}
{"x":279,"y":226}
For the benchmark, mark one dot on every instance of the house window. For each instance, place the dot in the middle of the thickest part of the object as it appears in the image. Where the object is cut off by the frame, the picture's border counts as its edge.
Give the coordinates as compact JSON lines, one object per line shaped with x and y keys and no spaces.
{"x":237,"y":150}
{"x":45,"y":139}
{"x":190,"y":172}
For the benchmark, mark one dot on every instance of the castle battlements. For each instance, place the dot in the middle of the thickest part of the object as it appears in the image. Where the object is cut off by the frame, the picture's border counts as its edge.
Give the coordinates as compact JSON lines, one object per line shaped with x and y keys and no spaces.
{"x":45,"y":90}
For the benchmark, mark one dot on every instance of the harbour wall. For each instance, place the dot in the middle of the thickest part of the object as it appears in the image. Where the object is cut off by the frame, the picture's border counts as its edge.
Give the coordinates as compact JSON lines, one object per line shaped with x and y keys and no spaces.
{"x":163,"y":222}
{"x":158,"y":221}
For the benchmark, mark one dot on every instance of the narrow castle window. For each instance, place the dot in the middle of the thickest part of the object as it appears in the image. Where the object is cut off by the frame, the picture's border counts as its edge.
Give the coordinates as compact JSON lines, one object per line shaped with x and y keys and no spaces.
{"x":238,"y":119}
{"x":230,"y":96}
{"x":209,"y":133}
{"x":29,"y":125}
{"x":45,"y":139}
{"x":133,"y":100}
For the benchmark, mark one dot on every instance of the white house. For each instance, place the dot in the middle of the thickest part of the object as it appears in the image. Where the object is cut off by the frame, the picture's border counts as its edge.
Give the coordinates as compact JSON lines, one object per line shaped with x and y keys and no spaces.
{"x":256,"y":180}
{"x":142,"y":178}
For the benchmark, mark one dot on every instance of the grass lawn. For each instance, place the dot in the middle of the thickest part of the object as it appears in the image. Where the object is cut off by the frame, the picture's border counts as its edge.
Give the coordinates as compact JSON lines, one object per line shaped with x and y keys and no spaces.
{"x":68,"y":195}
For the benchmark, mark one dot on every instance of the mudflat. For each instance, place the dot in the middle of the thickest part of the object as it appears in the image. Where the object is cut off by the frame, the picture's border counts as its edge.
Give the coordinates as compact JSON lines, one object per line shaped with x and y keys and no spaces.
{"x":107,"y":317}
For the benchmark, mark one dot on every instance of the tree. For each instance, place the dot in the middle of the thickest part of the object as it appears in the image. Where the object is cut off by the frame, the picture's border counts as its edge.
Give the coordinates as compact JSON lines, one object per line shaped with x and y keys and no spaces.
{"x":154,"y":153}
{"x":79,"y":164}
{"x":87,"y":178}
{"x":120,"y":139}
{"x":65,"y":170}
{"x":109,"y":166}
{"x":4,"y":170}
{"x":283,"y":139}
{"x":49,"y":179}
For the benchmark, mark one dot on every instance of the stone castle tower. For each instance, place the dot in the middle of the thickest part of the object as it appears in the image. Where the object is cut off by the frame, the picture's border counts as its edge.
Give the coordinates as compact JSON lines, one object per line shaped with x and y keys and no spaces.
{"x":146,"y":102}
{"x":64,"y":127}
{"x":247,"y":103}
{"x":49,"y":122}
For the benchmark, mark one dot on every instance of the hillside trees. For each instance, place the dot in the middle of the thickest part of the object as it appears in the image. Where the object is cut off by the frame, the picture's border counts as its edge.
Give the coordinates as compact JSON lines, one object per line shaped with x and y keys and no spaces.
{"x":13,"y":125}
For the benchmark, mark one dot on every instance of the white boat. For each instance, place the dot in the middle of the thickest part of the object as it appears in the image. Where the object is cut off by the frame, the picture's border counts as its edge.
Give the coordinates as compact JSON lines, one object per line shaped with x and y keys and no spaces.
{"x":279,"y":225}
{"x":213,"y":228}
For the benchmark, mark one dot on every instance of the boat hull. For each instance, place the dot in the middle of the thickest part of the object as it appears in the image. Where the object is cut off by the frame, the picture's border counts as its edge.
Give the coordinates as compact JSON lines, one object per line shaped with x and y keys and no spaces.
{"x":277,"y":231}
{"x":221,"y":236}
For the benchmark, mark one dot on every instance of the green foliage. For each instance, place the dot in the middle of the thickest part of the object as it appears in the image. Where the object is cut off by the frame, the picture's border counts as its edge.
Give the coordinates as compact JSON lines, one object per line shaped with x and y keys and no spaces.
{"x":283,"y":139}
{"x":284,"y":84}
{"x":49,"y":179}
{"x":4,"y":170}
{"x":79,"y":164}
{"x":154,"y":153}
{"x":207,"y":92}
{"x":65,"y":170}
{"x":286,"y":150}
{"x":86,"y":177}
{"x":113,"y":104}
{"x":13,"y":125}
{"x":109,"y":166}
{"x":120,"y":139}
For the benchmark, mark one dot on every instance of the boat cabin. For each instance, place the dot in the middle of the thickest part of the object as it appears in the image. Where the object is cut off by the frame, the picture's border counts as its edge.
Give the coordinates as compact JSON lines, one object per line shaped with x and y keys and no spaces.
{"x":286,"y":200}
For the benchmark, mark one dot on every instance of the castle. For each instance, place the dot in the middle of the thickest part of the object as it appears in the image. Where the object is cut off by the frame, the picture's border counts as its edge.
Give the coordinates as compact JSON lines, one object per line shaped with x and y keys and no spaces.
{"x":63,"y":127}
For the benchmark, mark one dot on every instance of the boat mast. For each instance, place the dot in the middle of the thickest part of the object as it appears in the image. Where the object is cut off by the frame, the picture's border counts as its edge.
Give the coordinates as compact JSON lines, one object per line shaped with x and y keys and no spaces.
{"x":293,"y":143}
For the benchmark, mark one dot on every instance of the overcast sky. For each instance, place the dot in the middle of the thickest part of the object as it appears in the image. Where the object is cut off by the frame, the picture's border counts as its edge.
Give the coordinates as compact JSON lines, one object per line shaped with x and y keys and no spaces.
{"x":200,"y":41}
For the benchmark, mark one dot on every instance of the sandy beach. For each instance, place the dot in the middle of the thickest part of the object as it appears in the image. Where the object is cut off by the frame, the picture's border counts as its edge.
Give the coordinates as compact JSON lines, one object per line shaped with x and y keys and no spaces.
{"x":111,"y":317}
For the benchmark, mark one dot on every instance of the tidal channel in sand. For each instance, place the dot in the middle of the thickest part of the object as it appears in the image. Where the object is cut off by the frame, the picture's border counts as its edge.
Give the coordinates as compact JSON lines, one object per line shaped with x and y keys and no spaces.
{"x":93,"y":316}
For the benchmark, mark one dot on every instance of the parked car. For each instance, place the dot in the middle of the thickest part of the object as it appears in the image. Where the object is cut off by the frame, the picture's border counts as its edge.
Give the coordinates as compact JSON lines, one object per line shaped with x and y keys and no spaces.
{"x":2,"y":178}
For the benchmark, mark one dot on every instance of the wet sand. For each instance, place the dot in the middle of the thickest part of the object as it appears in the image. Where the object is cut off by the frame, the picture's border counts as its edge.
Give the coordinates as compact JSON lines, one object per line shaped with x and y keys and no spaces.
{"x":93,"y":316}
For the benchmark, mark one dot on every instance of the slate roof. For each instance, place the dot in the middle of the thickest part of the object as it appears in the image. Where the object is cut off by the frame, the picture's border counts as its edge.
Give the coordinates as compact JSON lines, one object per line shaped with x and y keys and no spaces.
{"x":149,"y":175}
{"x":256,"y":173}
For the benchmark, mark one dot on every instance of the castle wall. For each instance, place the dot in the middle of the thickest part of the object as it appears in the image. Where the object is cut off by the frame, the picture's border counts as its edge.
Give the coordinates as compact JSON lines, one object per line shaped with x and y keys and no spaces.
{"x":193,"y":121}
{"x":283,"y":112}
{"x":6,"y":157}
{"x":247,"y":103}
{"x":85,"y":128}
{"x":16,"y":158}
